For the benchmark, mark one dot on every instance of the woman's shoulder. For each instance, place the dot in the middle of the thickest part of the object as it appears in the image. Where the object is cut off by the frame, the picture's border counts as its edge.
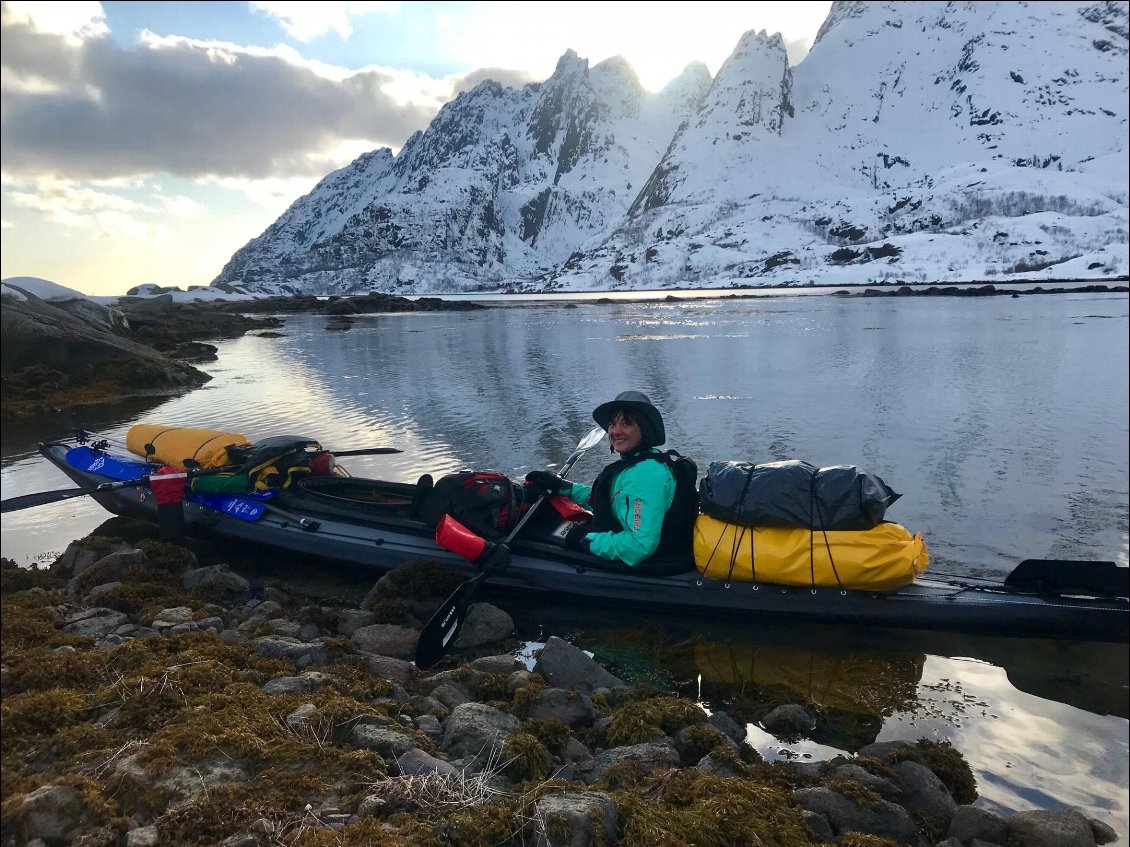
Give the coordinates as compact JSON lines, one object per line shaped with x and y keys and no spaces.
{"x":657,"y":470}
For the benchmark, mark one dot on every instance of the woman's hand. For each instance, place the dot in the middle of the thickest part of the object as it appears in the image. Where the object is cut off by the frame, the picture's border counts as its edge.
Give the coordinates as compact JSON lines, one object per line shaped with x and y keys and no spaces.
{"x":546,"y":482}
{"x":577,"y":538}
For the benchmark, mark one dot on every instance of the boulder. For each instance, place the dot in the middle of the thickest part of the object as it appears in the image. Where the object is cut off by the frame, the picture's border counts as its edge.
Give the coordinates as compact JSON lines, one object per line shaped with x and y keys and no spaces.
{"x":575,"y":819}
{"x":565,"y":666}
{"x":1064,"y":827}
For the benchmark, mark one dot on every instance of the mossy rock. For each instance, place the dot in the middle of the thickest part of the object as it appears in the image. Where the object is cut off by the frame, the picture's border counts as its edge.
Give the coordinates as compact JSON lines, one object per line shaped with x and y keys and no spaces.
{"x":525,"y":758}
{"x":644,"y":720}
{"x":948,"y":765}
{"x":420,"y":580}
{"x":687,"y":808}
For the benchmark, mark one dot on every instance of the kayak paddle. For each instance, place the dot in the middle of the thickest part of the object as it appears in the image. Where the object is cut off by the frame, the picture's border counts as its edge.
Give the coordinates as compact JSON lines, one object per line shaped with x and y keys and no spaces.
{"x":443,"y":626}
{"x":368,"y":451}
{"x":27,"y":501}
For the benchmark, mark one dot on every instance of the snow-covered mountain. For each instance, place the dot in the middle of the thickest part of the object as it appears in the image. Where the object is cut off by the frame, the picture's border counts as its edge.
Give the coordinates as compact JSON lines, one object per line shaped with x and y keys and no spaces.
{"x":917,"y":142}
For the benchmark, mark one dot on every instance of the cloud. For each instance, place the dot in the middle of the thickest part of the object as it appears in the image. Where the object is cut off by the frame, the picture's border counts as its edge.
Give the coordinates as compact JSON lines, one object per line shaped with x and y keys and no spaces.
{"x":508,"y":78}
{"x":304,"y":21}
{"x":77,"y":20}
{"x":103,"y":209}
{"x":91,"y":110}
{"x":797,"y":48}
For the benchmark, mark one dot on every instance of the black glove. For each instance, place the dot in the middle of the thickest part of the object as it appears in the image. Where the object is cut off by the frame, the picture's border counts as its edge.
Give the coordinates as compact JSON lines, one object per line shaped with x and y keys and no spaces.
{"x":577,"y":538}
{"x":546,"y":482}
{"x":495,"y":558}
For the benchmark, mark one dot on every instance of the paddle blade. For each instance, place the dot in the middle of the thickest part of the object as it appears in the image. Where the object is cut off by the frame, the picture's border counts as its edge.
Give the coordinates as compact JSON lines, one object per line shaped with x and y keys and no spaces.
{"x":27,"y":501}
{"x":591,"y":439}
{"x":441,"y":630}
{"x":1068,"y":576}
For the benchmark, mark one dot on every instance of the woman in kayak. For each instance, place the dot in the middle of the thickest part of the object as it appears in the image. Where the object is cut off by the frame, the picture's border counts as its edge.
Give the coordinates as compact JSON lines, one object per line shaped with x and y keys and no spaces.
{"x":644,"y":504}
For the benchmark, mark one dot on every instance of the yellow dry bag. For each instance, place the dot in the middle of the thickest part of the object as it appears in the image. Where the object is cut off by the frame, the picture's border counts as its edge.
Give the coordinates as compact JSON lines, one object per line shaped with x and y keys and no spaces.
{"x":879,"y":559}
{"x":173,"y":445}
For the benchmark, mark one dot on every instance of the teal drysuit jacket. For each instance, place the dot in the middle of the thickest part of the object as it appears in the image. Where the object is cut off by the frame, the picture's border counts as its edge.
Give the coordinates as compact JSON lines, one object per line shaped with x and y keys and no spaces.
{"x":641,"y":496}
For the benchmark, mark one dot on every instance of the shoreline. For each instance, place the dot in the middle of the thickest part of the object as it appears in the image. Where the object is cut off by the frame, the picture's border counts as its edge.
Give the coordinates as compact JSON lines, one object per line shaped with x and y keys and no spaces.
{"x":1117,"y":283}
{"x":202,"y":295}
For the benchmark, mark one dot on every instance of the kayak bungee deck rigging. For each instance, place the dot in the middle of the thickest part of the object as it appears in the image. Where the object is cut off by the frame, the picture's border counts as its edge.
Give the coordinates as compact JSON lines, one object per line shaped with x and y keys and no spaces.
{"x":371,"y":523}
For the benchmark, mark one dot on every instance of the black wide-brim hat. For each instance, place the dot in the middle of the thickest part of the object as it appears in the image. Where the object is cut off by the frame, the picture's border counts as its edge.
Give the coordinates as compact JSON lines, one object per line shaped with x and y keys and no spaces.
{"x":651,"y":422}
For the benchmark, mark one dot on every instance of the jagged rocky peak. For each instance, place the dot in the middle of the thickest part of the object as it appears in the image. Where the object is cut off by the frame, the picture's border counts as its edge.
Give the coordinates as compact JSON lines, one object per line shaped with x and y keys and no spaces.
{"x":750,"y":94}
{"x":615,"y":85}
{"x":841,"y":10}
{"x":569,"y":66}
{"x":618,"y":71}
{"x":684,"y":93}
{"x":758,"y":60}
{"x":755,"y":43}
{"x":747,"y":102}
{"x":487,"y":88}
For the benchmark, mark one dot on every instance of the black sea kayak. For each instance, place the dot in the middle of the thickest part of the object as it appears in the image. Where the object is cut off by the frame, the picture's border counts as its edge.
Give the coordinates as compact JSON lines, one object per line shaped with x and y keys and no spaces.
{"x":370,"y":523}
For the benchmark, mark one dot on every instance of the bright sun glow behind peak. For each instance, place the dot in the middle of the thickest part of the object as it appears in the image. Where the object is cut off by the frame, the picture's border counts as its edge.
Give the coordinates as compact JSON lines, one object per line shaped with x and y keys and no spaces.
{"x":661,"y":38}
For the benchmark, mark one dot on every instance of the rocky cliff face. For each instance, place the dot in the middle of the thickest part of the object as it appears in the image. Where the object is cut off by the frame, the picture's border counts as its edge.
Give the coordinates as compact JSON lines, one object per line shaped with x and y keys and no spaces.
{"x":503,"y":184}
{"x":916,"y":142}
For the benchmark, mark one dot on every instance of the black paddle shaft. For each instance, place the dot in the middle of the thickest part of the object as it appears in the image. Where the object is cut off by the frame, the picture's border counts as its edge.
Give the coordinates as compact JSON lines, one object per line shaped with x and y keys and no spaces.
{"x":367,"y":451}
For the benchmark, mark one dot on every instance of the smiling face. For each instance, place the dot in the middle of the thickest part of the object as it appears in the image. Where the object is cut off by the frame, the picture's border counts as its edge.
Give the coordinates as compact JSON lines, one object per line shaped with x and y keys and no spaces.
{"x":624,"y":433}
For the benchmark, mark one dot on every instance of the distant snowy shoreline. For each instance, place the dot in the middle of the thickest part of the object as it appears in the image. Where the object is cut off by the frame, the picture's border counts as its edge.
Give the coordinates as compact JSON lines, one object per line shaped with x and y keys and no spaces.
{"x":19,"y":287}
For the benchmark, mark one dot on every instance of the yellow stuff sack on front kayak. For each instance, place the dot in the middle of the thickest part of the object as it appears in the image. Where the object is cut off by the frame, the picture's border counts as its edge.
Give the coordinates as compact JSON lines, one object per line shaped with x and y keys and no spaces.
{"x":172,"y":445}
{"x":880,"y":559}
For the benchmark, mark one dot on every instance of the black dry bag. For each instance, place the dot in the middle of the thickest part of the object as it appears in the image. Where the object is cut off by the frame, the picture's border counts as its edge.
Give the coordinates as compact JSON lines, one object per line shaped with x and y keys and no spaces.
{"x":794,"y":494}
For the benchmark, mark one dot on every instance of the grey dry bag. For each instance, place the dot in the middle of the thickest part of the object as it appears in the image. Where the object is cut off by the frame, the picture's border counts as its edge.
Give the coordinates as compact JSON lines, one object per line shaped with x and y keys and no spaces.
{"x":794,"y":494}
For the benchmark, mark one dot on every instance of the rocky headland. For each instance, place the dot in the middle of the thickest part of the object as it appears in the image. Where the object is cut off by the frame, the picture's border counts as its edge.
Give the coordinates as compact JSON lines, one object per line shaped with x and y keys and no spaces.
{"x":61,"y":354}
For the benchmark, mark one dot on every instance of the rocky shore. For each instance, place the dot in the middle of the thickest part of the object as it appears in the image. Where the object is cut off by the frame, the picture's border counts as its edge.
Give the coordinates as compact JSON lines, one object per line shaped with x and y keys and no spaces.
{"x":157,"y":695}
{"x":59,"y":355}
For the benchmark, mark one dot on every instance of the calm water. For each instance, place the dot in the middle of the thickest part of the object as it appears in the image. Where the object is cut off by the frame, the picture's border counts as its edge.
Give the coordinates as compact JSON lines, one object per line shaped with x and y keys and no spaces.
{"x":1003,"y":421}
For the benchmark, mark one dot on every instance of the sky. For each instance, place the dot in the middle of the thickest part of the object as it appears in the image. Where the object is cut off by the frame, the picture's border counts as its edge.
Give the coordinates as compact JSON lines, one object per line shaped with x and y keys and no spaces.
{"x":144,"y":143}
